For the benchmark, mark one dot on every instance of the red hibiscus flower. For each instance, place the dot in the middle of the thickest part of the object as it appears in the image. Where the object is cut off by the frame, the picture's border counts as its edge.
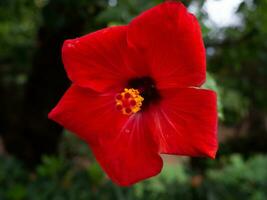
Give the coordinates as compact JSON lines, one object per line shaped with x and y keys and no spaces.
{"x":135,"y":93}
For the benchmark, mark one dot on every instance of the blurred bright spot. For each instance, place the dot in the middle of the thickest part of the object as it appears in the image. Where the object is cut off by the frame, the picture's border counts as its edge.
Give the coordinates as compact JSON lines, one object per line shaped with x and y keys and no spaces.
{"x":112,"y":3}
{"x":222,"y":12}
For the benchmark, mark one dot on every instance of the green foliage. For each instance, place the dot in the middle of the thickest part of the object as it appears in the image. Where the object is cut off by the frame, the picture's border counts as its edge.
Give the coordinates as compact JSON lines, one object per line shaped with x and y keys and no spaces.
{"x":18,"y":26}
{"x":122,"y":11}
{"x":233,"y":178}
{"x":240,"y":179}
{"x":75,"y":175}
{"x":212,"y":85}
{"x":239,"y":62}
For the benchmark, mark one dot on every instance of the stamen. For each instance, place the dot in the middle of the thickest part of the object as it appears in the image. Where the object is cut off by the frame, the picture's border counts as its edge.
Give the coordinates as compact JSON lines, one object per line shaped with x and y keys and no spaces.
{"x":133,"y":102}
{"x":127,"y":95}
{"x":119,"y":107}
{"x":119,"y":97}
{"x":129,"y":101}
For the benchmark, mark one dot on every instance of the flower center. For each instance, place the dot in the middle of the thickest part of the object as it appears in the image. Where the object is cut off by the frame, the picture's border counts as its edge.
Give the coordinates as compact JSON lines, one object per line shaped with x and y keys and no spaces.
{"x":129,"y":101}
{"x":147,"y":88}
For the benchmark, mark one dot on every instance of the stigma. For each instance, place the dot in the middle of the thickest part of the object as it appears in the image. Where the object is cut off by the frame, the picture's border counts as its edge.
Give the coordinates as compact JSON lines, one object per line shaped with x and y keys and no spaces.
{"x":129,"y":101}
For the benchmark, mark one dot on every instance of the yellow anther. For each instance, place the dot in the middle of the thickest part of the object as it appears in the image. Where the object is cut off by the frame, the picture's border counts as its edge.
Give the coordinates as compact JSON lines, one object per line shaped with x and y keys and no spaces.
{"x":129,"y":101}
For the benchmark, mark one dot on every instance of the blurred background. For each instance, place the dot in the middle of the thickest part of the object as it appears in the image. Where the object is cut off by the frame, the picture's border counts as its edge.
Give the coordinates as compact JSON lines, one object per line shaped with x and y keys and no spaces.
{"x":39,"y":160}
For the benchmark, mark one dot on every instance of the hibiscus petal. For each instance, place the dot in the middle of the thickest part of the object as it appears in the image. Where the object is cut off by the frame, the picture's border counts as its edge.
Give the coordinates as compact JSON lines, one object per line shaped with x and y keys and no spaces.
{"x":97,"y":60}
{"x":170,"y":38}
{"x":186,"y":122}
{"x":86,"y":112}
{"x":132,"y":156}
{"x":123,"y":145}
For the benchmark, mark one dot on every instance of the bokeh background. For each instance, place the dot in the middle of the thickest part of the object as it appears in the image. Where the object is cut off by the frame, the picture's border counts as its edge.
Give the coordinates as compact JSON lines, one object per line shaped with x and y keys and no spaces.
{"x":39,"y":160}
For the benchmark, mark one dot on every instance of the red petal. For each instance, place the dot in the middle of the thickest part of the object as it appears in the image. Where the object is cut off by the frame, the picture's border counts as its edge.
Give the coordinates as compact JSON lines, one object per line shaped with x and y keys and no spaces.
{"x":123,"y":145}
{"x":170,"y":38}
{"x":186,"y":122}
{"x":97,"y":60}
{"x":132,"y":156}
{"x":86,"y":112}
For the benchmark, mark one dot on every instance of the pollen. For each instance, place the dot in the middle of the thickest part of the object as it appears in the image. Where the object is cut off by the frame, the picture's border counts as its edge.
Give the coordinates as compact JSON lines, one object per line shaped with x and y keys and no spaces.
{"x":129,"y":101}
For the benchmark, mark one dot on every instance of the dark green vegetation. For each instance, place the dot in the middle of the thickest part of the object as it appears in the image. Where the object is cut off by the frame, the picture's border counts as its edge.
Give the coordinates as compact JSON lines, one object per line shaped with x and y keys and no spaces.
{"x":32,"y":80}
{"x":70,"y":176}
